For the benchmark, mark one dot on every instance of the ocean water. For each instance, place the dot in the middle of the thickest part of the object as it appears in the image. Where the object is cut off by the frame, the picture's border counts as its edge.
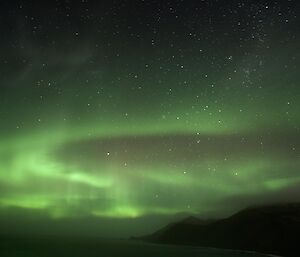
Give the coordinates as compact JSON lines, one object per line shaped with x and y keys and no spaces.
{"x":66,"y":247}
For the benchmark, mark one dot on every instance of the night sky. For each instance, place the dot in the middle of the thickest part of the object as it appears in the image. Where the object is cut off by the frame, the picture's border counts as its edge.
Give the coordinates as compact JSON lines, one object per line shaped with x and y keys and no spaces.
{"x":135,"y":112}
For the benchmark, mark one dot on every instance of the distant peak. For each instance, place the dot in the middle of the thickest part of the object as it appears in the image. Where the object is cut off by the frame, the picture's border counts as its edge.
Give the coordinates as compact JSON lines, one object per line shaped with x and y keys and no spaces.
{"x":191,"y":220}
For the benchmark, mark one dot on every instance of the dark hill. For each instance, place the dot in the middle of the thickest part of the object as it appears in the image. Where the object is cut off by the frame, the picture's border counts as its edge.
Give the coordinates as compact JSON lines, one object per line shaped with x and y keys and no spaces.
{"x":269,"y":229}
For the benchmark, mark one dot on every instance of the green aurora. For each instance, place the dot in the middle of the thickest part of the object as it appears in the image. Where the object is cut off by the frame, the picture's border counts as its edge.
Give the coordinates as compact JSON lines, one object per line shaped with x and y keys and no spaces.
{"x":95,"y":128}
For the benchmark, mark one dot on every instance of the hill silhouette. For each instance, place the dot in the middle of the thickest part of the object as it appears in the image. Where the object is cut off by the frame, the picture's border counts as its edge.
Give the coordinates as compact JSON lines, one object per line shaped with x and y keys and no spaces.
{"x":268,"y":229}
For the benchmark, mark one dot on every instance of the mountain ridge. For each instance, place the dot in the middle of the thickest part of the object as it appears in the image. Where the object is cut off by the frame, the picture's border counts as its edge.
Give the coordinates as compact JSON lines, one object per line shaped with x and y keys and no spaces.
{"x":272,"y":229}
